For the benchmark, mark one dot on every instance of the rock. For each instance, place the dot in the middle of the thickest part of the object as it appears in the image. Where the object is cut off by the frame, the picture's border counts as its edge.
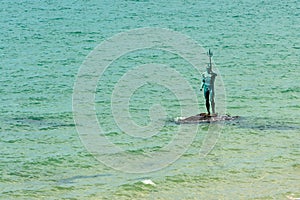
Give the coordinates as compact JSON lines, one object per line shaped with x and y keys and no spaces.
{"x":205,"y":118}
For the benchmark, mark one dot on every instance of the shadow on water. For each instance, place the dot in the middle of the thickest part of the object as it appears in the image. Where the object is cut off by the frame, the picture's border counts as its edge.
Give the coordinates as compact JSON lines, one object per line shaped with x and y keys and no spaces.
{"x":79,"y":177}
{"x":39,"y":122}
{"x":262,"y":124}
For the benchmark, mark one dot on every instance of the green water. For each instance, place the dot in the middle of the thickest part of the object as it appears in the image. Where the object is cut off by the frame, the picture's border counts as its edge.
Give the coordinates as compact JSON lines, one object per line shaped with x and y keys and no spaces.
{"x":256,"y":48}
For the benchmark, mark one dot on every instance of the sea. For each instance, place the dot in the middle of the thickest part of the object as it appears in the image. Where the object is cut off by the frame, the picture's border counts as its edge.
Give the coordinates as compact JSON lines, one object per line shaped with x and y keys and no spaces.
{"x":90,"y":91}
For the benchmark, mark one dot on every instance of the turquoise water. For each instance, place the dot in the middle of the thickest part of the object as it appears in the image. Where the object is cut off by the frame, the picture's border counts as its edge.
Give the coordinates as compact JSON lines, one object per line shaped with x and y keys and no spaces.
{"x":256,"y":49}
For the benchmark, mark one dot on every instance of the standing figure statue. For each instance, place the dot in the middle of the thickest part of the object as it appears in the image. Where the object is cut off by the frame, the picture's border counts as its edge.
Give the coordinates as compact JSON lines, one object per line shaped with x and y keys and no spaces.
{"x":208,"y":81}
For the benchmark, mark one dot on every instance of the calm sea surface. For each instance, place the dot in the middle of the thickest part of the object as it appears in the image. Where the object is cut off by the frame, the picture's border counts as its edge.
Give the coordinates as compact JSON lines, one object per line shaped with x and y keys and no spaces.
{"x":256,"y":47}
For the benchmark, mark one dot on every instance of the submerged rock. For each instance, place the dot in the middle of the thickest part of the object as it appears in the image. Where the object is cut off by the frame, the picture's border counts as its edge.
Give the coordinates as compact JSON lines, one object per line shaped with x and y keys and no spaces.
{"x":205,"y":118}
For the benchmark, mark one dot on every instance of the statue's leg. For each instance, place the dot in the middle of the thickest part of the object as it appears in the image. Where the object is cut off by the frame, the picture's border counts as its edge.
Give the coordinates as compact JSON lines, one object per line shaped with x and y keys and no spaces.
{"x":212,"y":101}
{"x":206,"y":94}
{"x":213,"y":107}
